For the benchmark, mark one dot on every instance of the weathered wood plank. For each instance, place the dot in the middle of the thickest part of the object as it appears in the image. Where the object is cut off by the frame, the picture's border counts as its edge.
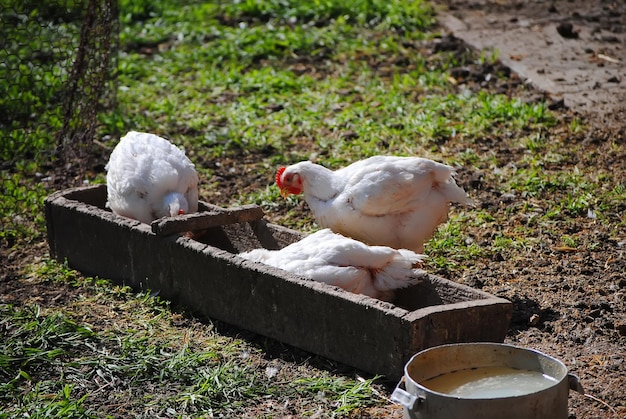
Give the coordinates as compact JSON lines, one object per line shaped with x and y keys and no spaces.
{"x":212,"y":217}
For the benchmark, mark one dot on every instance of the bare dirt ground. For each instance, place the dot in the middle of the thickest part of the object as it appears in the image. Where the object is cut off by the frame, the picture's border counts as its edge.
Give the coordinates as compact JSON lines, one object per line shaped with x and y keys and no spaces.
{"x":575,"y":52}
{"x":568,"y":302}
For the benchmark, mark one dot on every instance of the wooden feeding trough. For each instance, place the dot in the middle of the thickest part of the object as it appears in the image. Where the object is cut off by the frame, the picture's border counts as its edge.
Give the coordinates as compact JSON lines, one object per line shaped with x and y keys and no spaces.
{"x":206,"y":275}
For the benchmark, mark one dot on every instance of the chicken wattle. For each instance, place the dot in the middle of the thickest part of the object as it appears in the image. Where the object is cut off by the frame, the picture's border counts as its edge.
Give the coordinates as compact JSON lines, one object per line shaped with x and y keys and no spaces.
{"x":382,"y":200}
{"x":324,"y":256}
{"x":148,"y":178}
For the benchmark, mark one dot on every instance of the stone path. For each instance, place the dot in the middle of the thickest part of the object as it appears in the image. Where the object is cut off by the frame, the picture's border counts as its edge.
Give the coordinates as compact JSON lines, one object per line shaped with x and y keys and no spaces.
{"x":574,"y":50}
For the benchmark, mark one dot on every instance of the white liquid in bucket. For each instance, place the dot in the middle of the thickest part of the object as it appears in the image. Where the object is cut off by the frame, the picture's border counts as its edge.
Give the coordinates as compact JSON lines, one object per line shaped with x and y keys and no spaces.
{"x":489,"y":382}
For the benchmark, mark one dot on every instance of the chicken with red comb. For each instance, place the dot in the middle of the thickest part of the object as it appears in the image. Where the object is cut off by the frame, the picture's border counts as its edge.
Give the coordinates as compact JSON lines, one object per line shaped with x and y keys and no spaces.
{"x":287,"y":184}
{"x":383,"y":200}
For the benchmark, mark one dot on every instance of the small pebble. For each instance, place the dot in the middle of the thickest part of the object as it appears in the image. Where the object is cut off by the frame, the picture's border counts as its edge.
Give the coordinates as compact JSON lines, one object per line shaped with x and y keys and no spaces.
{"x":534,"y":319}
{"x":566,"y":30}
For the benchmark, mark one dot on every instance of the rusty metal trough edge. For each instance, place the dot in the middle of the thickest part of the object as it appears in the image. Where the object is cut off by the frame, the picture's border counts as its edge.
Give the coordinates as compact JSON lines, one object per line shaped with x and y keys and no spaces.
{"x":359,"y":331}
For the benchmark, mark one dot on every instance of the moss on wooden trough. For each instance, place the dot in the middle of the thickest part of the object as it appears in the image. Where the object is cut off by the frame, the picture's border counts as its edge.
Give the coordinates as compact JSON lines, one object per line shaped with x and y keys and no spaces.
{"x":206,"y":275}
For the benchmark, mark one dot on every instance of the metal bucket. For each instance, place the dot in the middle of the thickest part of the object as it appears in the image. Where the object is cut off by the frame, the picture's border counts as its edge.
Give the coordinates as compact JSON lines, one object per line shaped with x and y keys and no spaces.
{"x":422,"y":402}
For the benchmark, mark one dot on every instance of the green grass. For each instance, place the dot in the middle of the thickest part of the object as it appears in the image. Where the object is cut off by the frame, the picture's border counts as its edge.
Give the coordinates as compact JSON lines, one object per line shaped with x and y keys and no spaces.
{"x":34,"y":342}
{"x":150,"y":365}
{"x":32,"y":74}
{"x":451,"y":248}
{"x":246,"y":86}
{"x":211,"y":73}
{"x":21,"y":218}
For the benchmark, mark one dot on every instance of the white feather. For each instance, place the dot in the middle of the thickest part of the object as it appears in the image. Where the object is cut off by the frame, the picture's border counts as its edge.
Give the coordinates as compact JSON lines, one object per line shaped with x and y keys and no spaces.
{"x":382,"y":200}
{"x":149,"y":178}
{"x":331,"y":258}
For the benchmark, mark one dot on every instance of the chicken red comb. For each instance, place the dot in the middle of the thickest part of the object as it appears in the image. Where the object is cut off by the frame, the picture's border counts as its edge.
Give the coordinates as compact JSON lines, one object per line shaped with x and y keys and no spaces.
{"x":279,"y":173}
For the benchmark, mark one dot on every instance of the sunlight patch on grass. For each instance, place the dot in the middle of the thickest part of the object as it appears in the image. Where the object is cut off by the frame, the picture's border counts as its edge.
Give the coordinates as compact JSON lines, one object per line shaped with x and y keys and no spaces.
{"x":208,"y":86}
{"x":450,"y":246}
{"x":347,"y":395}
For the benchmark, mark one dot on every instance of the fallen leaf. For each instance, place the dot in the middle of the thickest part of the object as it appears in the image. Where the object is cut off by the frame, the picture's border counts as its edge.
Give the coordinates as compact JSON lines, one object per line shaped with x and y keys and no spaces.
{"x":565,"y":249}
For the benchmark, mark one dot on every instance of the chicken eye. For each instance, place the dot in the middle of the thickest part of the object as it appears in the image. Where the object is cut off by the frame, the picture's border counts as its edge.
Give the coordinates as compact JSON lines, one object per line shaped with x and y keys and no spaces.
{"x":288,"y":178}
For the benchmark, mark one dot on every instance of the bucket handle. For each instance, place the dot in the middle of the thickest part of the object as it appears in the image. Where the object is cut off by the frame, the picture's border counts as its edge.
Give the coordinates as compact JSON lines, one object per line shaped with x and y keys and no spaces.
{"x":403,"y":397}
{"x":411,"y":401}
{"x":574,"y":383}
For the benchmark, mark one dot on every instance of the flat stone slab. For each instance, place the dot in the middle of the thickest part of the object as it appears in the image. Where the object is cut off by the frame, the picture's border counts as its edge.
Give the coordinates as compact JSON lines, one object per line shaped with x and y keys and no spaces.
{"x":574,"y":50}
{"x":205,"y":275}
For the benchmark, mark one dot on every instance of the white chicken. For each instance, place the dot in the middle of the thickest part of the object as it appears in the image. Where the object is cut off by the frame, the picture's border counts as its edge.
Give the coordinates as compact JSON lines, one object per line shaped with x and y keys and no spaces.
{"x":324,"y":256}
{"x":382,"y":200}
{"x":148,"y":178}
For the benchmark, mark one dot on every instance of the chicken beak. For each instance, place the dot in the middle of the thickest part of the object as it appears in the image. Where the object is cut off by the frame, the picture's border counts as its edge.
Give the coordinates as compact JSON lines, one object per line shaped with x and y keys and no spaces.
{"x":284,"y":193}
